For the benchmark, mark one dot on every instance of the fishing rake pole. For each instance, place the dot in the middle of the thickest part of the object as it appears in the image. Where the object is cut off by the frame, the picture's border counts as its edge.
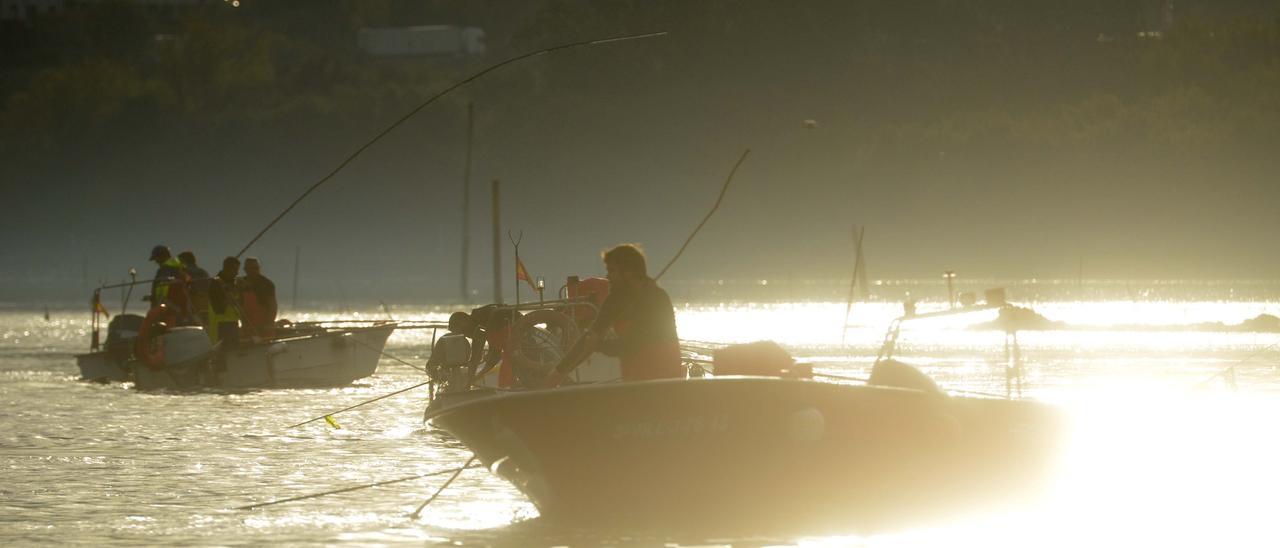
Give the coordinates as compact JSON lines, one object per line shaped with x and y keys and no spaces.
{"x":719,"y":198}
{"x":354,"y":488}
{"x":345,"y":409}
{"x":388,"y":356}
{"x":457,"y":472}
{"x":427,"y":103}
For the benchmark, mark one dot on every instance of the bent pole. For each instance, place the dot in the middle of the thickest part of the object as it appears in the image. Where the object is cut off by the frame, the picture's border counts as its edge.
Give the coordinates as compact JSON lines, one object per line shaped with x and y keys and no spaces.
{"x":723,"y":189}
{"x":366,"y":402}
{"x":457,"y":472}
{"x":428,"y":102}
{"x":350,"y":489}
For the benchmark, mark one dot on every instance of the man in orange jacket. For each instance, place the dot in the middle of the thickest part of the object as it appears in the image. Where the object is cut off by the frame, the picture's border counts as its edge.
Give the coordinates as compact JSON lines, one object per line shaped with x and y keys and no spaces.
{"x":257,"y":301}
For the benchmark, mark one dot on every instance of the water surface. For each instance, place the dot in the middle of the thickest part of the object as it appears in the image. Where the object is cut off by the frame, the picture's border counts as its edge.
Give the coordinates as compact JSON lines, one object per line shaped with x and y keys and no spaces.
{"x":1164,"y":451}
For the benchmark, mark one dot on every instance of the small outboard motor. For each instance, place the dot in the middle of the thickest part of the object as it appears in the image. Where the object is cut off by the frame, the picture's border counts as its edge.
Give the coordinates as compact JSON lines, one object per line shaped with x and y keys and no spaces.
{"x":453,"y":370}
{"x":120,"y":334}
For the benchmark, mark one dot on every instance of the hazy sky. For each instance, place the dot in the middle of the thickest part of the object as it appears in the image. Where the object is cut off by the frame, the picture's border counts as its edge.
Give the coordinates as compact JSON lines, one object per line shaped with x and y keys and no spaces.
{"x":633,"y":145}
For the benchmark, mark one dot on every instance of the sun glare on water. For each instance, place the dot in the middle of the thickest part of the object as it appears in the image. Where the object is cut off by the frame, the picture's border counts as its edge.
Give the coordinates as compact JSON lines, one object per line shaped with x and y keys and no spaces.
{"x":1162,"y":451}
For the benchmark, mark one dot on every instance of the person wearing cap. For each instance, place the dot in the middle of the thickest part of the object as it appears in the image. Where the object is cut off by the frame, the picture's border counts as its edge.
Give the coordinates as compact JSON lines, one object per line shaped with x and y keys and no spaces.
{"x":168,"y":286}
{"x":257,"y":301}
{"x":199,"y":286}
{"x":224,"y":311}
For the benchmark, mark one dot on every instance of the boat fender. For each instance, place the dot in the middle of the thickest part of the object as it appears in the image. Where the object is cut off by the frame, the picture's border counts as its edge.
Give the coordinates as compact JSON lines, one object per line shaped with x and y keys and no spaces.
{"x":531,"y":363}
{"x":277,"y":348}
{"x":149,"y":346}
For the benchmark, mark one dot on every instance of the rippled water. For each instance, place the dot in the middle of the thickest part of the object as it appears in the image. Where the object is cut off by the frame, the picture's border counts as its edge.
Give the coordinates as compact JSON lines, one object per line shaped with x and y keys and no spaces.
{"x":1164,"y":452}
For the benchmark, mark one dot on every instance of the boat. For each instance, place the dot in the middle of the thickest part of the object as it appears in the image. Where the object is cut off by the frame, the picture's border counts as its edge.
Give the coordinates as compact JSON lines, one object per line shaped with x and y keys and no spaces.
{"x":784,"y":452}
{"x":110,"y":362}
{"x":300,"y":355}
{"x":719,"y":453}
{"x":317,"y":359}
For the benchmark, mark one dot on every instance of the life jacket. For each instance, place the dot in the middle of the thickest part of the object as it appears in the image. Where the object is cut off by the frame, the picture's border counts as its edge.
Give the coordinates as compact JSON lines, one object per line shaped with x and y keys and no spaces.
{"x":231,"y":314}
{"x":655,"y":360}
{"x":173,"y":292}
{"x":660,"y":360}
{"x":498,"y":339}
{"x":257,"y":319}
{"x":596,"y":289}
{"x":199,"y":291}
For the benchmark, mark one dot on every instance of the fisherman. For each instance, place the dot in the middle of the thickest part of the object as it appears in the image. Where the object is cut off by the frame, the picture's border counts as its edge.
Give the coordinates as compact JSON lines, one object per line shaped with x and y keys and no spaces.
{"x":257,"y":301}
{"x":641,"y":314}
{"x":450,"y":362}
{"x":169,"y":285}
{"x":224,"y":311}
{"x":199,"y":286}
{"x":492,"y":328}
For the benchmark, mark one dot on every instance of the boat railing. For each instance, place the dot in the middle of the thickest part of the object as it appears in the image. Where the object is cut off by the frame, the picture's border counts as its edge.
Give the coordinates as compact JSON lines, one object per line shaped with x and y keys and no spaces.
{"x":1013,"y":364}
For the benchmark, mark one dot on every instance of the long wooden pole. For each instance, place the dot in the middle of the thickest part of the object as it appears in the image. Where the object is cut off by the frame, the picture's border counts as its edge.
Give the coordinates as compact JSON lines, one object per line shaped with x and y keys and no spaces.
{"x":350,"y":489}
{"x":366,"y":402}
{"x":497,"y":245}
{"x":853,"y":283}
{"x":714,"y":207}
{"x":466,"y":207}
{"x":297,"y":262}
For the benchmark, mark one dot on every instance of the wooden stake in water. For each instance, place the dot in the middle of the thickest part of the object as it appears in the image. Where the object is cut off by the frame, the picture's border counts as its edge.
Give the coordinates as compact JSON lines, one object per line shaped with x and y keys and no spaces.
{"x":466,"y":208}
{"x":497,"y":245}
{"x":297,"y":262}
{"x":859,"y":276}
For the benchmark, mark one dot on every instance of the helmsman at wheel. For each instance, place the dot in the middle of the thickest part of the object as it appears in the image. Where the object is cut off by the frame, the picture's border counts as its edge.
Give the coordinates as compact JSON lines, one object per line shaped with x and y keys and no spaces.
{"x":640,"y":313}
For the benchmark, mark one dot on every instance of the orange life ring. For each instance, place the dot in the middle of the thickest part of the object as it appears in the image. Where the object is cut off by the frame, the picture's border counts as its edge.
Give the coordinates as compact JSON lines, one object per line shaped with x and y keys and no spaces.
{"x":149,"y":346}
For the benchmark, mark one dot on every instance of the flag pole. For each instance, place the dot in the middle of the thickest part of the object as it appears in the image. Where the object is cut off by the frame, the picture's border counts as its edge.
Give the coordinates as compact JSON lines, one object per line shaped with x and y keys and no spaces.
{"x":515,"y":242}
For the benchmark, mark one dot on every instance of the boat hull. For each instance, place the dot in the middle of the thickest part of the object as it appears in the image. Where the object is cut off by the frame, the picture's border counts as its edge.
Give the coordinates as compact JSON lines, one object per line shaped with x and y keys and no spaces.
{"x":102,"y":367}
{"x":756,"y":453}
{"x":326,"y":359}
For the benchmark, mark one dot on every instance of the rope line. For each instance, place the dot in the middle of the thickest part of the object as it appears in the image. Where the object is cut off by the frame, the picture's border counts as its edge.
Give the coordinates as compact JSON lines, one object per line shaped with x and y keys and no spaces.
{"x":456,"y":473}
{"x":386,"y":355}
{"x":343,"y":410}
{"x":349,"y":489}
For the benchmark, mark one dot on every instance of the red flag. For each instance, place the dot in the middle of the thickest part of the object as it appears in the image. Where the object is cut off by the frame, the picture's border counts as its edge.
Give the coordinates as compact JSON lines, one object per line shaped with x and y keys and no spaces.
{"x":522,"y":274}
{"x":98,"y":308}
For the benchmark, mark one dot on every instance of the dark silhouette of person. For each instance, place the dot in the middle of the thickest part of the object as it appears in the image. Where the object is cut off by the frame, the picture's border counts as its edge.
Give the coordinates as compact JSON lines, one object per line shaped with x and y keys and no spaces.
{"x":640,"y":312}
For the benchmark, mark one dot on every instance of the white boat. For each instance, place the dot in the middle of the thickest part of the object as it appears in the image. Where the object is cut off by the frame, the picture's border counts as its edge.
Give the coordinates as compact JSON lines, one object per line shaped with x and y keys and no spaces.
{"x":308,"y":354}
{"x":320,"y":358}
{"x":771,"y":451}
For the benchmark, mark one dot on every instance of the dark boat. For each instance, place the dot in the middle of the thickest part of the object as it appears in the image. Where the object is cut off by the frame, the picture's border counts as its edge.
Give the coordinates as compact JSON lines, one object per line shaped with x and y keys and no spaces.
{"x":757,"y":453}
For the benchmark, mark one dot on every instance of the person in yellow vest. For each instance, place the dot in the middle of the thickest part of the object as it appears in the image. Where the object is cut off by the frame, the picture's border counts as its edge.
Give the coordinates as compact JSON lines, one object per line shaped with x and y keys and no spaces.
{"x":224,"y":311}
{"x":169,"y":285}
